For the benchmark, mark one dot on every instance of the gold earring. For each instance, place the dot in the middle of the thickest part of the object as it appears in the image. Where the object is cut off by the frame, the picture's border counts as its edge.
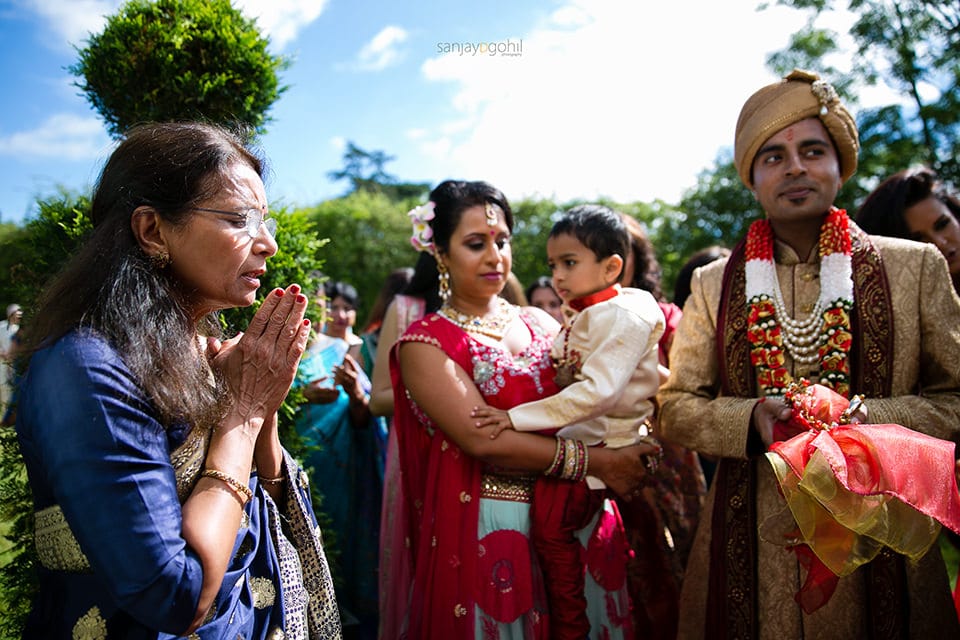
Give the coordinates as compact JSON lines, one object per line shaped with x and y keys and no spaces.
{"x":444,"y":281}
{"x":160,"y":261}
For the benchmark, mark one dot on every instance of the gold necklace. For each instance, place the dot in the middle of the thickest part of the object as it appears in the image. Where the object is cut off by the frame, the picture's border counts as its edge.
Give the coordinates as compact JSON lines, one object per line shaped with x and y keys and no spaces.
{"x":493,"y":325}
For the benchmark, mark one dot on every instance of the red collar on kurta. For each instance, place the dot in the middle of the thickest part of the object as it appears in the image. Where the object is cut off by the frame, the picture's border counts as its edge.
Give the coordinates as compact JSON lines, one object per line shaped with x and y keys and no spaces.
{"x":586,"y":301}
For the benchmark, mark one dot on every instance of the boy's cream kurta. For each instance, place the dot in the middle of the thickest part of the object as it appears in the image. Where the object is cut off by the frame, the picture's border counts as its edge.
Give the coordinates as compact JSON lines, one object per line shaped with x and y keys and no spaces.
{"x":613,"y":392}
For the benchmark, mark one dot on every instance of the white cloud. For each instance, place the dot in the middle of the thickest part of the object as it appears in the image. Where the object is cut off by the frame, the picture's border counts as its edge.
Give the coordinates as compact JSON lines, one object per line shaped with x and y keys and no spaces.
{"x":282,"y":20}
{"x":76,"y":20}
{"x":339,"y":143}
{"x":62,"y":136}
{"x":606,"y":98}
{"x":382,"y":50}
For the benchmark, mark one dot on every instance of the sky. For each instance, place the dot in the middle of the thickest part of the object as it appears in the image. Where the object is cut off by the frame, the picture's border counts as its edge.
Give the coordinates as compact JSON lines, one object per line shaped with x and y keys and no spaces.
{"x":568,"y":99}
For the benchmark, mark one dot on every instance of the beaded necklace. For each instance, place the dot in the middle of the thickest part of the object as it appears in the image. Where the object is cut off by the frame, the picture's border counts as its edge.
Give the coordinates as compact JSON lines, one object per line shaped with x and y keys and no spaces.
{"x":824,"y":336}
{"x":567,"y":366}
{"x":493,"y":325}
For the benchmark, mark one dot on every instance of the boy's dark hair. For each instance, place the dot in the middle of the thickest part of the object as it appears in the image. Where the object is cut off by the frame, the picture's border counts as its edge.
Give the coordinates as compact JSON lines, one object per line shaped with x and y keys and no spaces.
{"x":597,"y":227}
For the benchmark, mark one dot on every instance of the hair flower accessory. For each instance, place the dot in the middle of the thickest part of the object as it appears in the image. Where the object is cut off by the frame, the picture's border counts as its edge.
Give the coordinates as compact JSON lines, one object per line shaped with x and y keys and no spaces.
{"x":422,"y":238}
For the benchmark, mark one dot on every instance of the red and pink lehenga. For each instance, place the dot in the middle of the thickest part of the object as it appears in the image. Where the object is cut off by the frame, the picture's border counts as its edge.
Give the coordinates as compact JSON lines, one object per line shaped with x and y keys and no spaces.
{"x":475,"y":572}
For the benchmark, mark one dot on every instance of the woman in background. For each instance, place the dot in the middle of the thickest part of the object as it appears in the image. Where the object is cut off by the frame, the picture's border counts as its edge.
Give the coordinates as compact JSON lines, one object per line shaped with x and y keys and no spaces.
{"x":661,"y":526}
{"x":344,"y":440}
{"x":394,"y":284}
{"x":541,"y":295}
{"x":915,"y":205}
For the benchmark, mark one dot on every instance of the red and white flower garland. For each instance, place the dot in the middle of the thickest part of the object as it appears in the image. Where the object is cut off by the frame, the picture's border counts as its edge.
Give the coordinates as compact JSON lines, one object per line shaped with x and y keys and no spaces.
{"x":822,"y":337}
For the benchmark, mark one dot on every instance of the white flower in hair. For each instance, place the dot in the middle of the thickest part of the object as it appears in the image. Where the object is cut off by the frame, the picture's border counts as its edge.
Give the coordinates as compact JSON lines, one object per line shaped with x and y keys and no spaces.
{"x":422,"y":238}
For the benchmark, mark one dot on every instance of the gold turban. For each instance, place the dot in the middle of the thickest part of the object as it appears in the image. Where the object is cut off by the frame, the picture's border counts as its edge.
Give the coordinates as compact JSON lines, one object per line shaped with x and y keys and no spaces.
{"x":800,"y":95}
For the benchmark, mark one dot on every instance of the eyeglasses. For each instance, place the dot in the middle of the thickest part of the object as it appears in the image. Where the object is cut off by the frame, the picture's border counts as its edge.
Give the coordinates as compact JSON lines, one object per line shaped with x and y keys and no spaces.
{"x":251,"y":219}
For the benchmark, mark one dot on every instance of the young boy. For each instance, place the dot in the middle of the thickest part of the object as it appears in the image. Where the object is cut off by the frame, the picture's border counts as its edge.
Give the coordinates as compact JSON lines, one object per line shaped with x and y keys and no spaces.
{"x":607,"y":367}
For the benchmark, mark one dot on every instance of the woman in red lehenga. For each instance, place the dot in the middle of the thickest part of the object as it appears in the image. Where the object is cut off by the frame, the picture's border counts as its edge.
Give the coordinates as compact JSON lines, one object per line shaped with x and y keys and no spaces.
{"x":467,"y":496}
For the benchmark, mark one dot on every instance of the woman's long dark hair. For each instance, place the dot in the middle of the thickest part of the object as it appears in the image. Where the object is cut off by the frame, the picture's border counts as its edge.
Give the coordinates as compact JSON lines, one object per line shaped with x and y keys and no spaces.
{"x":110,"y":287}
{"x":396,"y":282}
{"x":646,"y":268}
{"x":451,"y":198}
{"x":882,"y":213}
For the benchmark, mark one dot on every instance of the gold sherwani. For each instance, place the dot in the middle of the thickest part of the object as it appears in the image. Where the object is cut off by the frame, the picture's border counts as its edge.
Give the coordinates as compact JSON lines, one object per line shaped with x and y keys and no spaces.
{"x":925,"y":397}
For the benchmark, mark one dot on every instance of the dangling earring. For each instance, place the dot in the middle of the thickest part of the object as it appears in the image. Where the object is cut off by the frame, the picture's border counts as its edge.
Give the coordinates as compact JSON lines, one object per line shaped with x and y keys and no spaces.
{"x":160,"y":261}
{"x":444,"y":280}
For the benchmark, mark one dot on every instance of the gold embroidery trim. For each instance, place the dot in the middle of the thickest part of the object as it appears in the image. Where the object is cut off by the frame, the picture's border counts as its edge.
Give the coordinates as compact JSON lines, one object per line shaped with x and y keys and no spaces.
{"x":57,"y":547}
{"x":187,"y":461}
{"x":264,"y":593}
{"x":512,"y":488}
{"x":91,"y":626}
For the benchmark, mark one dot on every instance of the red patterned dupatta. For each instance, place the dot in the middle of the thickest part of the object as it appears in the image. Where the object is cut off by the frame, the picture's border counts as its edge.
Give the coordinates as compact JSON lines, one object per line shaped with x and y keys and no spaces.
{"x":437,"y":480}
{"x":733,"y":588}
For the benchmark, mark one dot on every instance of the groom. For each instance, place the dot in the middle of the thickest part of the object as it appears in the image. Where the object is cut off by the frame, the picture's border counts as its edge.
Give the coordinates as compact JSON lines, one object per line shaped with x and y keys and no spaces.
{"x":806,"y":294}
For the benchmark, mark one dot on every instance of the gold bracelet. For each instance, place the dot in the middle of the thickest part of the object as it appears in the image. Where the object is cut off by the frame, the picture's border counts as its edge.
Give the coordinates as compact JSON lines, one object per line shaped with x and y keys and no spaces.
{"x":243,"y":491}
{"x":272,"y":482}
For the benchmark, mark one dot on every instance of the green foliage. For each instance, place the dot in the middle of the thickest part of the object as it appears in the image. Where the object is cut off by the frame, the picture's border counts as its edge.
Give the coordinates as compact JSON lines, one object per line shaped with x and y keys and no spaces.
{"x":168,"y":60}
{"x":718,"y":210}
{"x":18,"y":562}
{"x":532,"y":221}
{"x":31,"y":256}
{"x":369,"y":237}
{"x":809,"y":48}
{"x":364,"y":170}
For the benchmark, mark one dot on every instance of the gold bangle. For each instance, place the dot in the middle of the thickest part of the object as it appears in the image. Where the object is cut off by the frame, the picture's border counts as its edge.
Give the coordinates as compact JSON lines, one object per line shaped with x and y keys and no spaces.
{"x":243,"y":491}
{"x":571,"y":459}
{"x":272,"y":482}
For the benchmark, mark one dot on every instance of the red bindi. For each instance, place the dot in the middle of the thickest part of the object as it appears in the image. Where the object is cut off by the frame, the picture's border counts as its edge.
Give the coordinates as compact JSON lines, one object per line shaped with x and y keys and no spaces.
{"x":790,"y":135}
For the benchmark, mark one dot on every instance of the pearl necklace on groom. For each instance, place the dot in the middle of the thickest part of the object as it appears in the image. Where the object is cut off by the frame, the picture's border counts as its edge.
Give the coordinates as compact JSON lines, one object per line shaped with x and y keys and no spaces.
{"x":822,"y":337}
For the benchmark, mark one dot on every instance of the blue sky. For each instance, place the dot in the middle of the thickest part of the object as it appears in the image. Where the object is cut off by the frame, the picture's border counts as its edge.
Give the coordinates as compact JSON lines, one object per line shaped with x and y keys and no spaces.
{"x":627,"y":100}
